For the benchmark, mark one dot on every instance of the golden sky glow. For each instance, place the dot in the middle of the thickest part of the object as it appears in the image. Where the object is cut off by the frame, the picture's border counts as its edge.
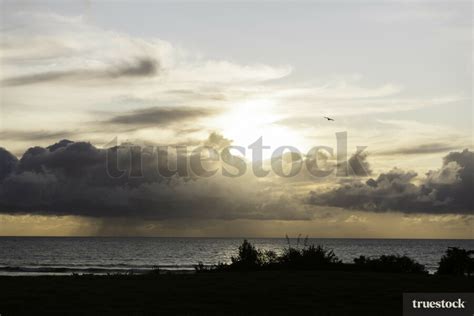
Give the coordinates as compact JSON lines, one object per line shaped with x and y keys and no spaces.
{"x":79,"y":72}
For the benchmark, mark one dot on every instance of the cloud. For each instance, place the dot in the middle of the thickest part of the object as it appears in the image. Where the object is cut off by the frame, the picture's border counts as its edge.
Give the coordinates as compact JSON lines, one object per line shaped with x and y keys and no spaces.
{"x":446,"y":190}
{"x":431,"y":148}
{"x":62,"y":71}
{"x":71,"y":178}
{"x":358,"y":165}
{"x":35,"y":135}
{"x":159,"y":116}
{"x":142,"y":67}
{"x":8,"y":163}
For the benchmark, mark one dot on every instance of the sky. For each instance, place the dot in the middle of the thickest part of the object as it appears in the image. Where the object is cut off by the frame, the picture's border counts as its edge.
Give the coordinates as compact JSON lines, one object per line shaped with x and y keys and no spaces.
{"x":396,"y":76}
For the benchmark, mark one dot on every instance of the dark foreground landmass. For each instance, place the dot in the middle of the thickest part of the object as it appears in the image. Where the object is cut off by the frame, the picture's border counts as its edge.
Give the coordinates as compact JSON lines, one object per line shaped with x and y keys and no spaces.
{"x":221,"y":293}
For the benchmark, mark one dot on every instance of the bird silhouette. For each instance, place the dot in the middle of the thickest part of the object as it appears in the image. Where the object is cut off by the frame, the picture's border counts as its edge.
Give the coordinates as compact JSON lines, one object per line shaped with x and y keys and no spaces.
{"x":328,"y":118}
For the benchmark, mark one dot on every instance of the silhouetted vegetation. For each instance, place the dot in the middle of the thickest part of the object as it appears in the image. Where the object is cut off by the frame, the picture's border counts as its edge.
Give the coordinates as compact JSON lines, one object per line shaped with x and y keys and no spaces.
{"x":302,"y":256}
{"x":307,"y":257}
{"x":249,"y":257}
{"x":315,"y":257}
{"x":390,"y":263}
{"x":457,"y":261}
{"x":200,"y":267}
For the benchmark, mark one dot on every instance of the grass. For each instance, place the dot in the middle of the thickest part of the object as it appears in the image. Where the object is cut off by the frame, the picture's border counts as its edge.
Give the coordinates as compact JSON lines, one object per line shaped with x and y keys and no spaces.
{"x":279,"y":292}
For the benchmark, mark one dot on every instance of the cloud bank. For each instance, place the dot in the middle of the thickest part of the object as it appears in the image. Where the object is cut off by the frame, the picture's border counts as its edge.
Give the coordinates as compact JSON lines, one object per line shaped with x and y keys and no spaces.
{"x":71,"y":178}
{"x":446,"y":190}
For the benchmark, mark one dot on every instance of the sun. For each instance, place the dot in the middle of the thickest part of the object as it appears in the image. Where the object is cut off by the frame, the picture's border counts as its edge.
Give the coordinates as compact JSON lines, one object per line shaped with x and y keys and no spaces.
{"x":252,"y":119}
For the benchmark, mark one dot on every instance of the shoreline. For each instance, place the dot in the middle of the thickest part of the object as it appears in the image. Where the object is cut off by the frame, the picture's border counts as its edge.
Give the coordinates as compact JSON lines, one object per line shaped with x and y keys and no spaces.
{"x":111,"y":273}
{"x":65,"y":271}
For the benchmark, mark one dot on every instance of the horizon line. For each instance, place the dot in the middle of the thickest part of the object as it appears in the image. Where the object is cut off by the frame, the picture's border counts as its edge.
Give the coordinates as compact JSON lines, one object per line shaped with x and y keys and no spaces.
{"x":228,"y":237}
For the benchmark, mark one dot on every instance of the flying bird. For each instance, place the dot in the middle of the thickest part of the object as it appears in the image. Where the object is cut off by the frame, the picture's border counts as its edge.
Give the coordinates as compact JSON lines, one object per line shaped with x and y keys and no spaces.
{"x":328,"y":118}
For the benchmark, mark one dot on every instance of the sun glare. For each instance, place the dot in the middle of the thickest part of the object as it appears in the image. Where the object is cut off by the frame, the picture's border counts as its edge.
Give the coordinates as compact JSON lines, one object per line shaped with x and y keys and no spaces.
{"x":252,"y":119}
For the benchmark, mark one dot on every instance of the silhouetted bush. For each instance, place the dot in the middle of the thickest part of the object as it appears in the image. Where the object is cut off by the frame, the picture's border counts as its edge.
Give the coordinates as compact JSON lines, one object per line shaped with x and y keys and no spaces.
{"x":456,"y":261}
{"x":270,"y":258}
{"x":220,"y":266}
{"x":390,"y":263}
{"x":308,"y":257}
{"x":305,"y":257}
{"x":200,"y":267}
{"x":293,"y":258}
{"x":248,"y":258}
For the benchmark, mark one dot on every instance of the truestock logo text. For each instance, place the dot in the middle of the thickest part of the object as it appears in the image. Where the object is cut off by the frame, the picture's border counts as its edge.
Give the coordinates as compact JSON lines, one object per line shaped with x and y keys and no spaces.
{"x":439,"y":304}
{"x":434,"y":304}
{"x":232,"y":161}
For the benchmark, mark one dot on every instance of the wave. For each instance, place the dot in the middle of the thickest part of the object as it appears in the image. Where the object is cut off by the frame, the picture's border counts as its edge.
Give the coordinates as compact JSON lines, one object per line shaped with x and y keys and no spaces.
{"x":102,"y":269}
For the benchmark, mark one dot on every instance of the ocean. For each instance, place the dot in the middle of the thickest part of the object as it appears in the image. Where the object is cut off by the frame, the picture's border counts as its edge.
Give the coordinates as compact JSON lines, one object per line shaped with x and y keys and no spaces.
{"x":101,"y":255}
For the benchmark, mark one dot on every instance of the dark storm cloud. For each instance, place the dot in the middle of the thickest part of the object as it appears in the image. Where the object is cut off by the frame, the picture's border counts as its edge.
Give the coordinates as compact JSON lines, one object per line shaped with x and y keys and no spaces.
{"x":8,"y":163}
{"x":431,"y":148}
{"x":447,"y":190}
{"x":71,"y":178}
{"x":142,"y":67}
{"x":159,"y":116}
